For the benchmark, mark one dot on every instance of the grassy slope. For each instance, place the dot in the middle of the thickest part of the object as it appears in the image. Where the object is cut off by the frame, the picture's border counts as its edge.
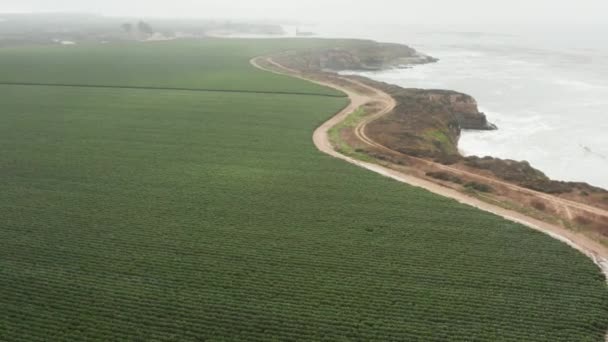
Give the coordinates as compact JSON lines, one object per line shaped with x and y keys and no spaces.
{"x":175,"y":215}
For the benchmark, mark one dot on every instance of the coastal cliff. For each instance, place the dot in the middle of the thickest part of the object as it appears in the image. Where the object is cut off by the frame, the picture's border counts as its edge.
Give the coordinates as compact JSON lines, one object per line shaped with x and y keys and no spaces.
{"x":462,"y":106}
{"x":425,"y":123}
{"x":356,"y":55}
{"x":465,"y":108}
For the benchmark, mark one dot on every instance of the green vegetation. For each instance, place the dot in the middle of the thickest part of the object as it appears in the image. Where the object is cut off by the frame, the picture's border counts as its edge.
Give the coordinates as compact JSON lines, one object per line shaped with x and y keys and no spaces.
{"x":339,"y":144}
{"x":211,"y":64}
{"x":441,"y":141}
{"x":159,"y":215}
{"x":478,"y":187}
{"x":445,"y":176}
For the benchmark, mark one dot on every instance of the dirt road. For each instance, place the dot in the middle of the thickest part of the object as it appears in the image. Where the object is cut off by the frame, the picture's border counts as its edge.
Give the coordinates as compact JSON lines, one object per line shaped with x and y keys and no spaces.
{"x":596,"y":251}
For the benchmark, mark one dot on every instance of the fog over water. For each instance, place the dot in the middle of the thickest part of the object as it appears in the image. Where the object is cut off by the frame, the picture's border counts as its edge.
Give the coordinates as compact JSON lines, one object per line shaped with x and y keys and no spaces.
{"x":433,"y":13}
{"x":539,"y":69}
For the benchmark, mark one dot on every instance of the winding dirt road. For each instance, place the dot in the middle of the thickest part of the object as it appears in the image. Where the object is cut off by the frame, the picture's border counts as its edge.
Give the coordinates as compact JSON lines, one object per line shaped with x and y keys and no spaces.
{"x":594,"y":250}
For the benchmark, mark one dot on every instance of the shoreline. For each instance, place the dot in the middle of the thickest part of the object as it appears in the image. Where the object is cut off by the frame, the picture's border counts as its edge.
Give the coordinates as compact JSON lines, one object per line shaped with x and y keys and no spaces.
{"x":597,"y":252}
{"x":560,"y":123}
{"x":474,"y":144}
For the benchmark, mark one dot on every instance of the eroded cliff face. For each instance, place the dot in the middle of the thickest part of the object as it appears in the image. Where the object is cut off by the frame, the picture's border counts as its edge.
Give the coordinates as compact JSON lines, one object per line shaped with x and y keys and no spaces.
{"x":464,"y":107}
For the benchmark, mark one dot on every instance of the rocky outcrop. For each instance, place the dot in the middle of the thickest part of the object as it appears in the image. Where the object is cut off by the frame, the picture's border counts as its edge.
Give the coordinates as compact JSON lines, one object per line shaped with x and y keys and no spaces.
{"x":464,"y":108}
{"x":355,"y":55}
{"x":475,"y":121}
{"x":458,"y":106}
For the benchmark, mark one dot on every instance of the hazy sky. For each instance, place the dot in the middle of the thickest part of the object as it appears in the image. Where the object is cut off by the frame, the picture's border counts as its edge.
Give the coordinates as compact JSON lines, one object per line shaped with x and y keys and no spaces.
{"x":430,"y":12}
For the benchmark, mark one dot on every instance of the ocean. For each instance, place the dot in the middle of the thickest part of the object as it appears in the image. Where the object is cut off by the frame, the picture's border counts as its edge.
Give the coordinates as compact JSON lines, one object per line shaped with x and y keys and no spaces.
{"x":546,"y":92}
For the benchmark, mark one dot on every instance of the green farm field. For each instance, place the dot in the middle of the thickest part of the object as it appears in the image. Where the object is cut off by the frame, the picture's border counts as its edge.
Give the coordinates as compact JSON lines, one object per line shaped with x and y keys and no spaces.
{"x":178,"y":215}
{"x":214,"y":65}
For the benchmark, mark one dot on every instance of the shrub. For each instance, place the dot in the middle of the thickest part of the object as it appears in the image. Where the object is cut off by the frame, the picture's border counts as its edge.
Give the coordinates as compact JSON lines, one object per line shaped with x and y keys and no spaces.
{"x":448,"y":159}
{"x":444,"y":176}
{"x":538,"y":205}
{"x":479,"y":187}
